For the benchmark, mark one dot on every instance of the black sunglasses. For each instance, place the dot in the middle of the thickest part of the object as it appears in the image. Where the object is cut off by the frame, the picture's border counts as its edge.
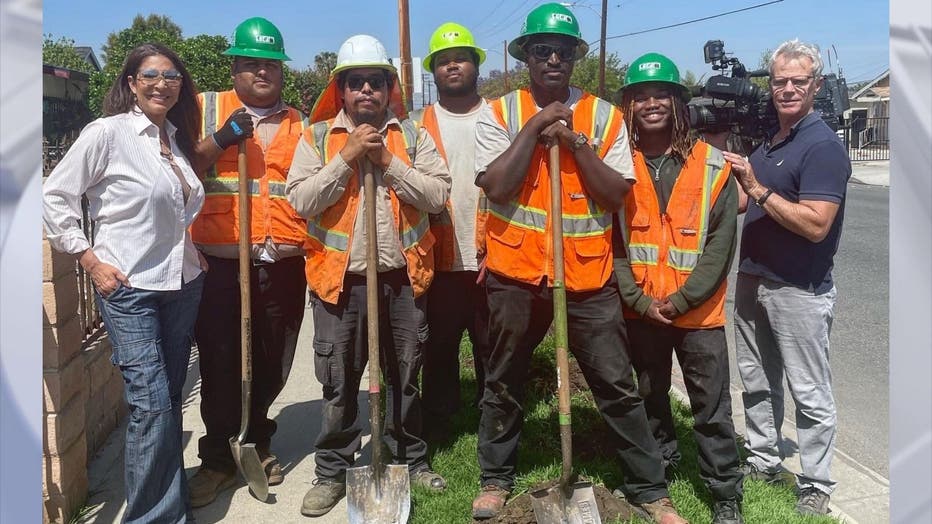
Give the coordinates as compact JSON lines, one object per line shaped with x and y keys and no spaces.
{"x":355,"y":83}
{"x":150,"y":77}
{"x":545,"y":51}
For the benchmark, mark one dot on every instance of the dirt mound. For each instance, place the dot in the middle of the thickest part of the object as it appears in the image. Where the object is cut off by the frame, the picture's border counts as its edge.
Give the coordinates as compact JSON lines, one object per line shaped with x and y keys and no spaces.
{"x":519,"y":510}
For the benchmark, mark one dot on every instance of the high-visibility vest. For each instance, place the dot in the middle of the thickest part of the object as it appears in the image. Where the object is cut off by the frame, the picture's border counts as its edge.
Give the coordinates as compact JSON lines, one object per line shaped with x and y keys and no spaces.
{"x":270,"y":213}
{"x":519,"y":234}
{"x":663,"y":249}
{"x":441,"y":224}
{"x":330,"y":234}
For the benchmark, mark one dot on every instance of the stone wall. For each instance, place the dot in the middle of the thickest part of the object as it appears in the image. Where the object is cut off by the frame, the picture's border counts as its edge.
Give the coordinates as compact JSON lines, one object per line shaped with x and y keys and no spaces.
{"x":83,"y":392}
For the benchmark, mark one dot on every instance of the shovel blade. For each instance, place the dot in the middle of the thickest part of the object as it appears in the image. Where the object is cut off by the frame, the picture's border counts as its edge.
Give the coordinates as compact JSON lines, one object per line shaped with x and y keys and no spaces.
{"x":385,"y":502}
{"x":573,"y":504}
{"x":248,"y":463}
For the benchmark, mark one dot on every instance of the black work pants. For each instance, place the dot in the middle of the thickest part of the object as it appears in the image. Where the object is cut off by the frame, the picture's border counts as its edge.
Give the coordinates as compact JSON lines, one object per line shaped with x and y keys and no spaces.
{"x":455,"y":303}
{"x":520,"y":315}
{"x":340,"y":356}
{"x":277,"y":296}
{"x":703,"y":358}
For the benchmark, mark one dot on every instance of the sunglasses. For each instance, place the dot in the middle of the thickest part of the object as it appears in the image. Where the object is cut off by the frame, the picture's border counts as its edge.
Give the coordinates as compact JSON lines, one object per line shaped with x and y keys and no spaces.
{"x":355,"y":83}
{"x":545,"y":51}
{"x":799,"y":82}
{"x":150,"y":77}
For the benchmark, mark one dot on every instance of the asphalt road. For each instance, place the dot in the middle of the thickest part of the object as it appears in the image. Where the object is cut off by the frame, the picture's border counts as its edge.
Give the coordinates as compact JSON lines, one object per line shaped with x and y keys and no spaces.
{"x":860,"y":334}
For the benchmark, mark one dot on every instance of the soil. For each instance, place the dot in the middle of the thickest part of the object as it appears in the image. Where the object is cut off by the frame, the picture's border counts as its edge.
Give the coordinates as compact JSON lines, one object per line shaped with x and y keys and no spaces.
{"x":519,"y":510}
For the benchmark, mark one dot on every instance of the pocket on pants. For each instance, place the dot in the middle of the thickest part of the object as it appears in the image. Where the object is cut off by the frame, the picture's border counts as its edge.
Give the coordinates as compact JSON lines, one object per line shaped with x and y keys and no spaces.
{"x":144,"y":375}
{"x":327,"y":366}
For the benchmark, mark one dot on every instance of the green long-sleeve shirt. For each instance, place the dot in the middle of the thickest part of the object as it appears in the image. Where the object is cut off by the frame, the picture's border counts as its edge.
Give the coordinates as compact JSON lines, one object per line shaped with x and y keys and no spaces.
{"x":715,"y":261}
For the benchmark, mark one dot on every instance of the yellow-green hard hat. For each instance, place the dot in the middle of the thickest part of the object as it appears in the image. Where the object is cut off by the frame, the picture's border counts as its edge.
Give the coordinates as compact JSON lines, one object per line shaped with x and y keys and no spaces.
{"x":447,"y":36}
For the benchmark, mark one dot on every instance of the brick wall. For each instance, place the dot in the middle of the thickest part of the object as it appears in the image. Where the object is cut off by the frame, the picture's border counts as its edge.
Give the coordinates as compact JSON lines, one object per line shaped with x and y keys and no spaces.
{"x":83,"y":395}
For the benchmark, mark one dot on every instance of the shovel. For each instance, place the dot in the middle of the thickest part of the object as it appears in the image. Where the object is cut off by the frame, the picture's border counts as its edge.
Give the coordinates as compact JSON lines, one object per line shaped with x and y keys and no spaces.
{"x":245,"y":455}
{"x":570,"y":501}
{"x":377,"y":493}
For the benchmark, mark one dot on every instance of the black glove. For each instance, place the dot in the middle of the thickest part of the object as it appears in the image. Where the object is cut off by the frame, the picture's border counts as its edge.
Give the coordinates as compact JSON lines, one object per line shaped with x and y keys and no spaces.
{"x":237,"y":127}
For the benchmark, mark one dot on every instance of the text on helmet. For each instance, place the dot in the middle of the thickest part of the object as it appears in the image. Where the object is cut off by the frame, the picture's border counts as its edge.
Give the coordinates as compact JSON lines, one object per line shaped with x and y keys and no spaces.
{"x":562,"y":17}
{"x":265,"y":39}
{"x":649,"y":66}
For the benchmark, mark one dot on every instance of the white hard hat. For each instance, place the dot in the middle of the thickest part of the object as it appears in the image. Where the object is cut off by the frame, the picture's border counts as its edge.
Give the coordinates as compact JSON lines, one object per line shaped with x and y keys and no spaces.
{"x":362,"y":51}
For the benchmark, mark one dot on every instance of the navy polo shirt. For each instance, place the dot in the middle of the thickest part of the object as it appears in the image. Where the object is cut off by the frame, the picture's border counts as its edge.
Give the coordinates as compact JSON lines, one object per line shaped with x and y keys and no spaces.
{"x":810,"y":164}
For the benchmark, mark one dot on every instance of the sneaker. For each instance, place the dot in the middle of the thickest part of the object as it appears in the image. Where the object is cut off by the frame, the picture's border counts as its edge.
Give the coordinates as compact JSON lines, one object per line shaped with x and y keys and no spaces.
{"x":727,"y":512}
{"x":206,"y":484}
{"x":428,"y":479}
{"x":811,"y":501}
{"x":273,"y":470}
{"x":489,"y":502}
{"x":662,"y":511}
{"x":322,"y":497}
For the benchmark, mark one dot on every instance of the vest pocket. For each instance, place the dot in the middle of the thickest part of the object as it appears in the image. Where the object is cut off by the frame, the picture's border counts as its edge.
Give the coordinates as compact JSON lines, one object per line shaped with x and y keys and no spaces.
{"x":589,"y":247}
{"x":217,"y":204}
{"x":510,"y":236}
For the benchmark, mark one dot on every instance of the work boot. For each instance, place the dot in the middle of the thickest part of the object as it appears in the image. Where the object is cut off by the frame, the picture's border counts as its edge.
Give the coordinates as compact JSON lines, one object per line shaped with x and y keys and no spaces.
{"x":811,"y":501}
{"x":322,"y":497}
{"x":490,"y":502}
{"x":428,"y":479}
{"x":207,"y":483}
{"x":751,"y":472}
{"x":727,"y":512}
{"x":662,"y":511}
{"x":273,"y":470}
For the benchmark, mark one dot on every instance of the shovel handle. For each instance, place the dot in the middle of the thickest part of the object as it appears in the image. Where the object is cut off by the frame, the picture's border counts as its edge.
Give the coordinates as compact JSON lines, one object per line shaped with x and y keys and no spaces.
{"x":559,"y":314}
{"x":372,"y":315}
{"x":245,"y":260}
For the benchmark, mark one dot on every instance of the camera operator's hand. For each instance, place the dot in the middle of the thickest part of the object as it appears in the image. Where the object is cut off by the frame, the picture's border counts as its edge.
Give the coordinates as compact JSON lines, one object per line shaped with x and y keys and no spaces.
{"x":238,"y":127}
{"x":744,"y":174}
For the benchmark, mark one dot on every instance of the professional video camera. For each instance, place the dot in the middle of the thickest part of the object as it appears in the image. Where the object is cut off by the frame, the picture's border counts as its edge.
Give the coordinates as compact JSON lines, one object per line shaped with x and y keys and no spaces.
{"x":734,"y":102}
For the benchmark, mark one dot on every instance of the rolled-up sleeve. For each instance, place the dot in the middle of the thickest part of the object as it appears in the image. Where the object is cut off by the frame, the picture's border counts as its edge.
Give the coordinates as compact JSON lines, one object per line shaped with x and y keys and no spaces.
{"x":619,"y":157}
{"x":491,"y":139}
{"x":426,"y":184}
{"x":82,"y":167}
{"x":312,"y":187}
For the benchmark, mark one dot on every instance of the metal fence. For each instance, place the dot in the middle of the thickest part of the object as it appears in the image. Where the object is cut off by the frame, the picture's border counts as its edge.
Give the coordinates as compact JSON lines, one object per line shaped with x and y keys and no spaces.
{"x":867,"y":138}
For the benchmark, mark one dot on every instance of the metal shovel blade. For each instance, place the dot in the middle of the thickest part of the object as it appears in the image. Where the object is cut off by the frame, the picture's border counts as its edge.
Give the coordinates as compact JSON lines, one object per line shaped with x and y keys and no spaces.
{"x":248,"y":463}
{"x":383,"y":501}
{"x":571,"y":504}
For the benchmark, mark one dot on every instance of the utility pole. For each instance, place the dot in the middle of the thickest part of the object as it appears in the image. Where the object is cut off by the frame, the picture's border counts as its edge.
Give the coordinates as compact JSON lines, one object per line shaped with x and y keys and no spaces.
{"x":602,"y":51}
{"x":404,"y":38}
{"x":505,"y":43}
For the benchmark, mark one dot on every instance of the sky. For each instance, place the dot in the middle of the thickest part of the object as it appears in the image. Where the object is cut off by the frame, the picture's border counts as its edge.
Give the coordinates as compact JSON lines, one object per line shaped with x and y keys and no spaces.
{"x":857,"y":30}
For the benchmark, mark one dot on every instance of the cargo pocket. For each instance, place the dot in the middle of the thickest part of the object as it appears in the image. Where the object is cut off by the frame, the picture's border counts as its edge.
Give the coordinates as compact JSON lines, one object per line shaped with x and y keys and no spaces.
{"x":144,"y":375}
{"x":323,"y":362}
{"x":510,"y":236}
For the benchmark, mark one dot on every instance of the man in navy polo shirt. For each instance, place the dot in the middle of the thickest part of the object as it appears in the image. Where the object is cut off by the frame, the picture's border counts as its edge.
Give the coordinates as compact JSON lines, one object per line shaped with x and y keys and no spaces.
{"x":785,"y":297}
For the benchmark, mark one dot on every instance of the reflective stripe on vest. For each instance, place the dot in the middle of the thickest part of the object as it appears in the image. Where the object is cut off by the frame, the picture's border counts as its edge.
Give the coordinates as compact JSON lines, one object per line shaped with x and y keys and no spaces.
{"x":334,"y":240}
{"x":603,"y":115}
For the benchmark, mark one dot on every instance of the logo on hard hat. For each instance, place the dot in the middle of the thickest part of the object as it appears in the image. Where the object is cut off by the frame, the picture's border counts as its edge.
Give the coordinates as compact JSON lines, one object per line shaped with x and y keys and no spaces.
{"x":562,"y":17}
{"x":450,"y":35}
{"x":265,"y":39}
{"x":646,"y":66}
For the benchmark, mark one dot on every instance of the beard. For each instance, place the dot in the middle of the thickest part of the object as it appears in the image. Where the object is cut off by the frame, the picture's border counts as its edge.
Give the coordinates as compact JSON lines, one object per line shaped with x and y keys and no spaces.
{"x":466,"y":88}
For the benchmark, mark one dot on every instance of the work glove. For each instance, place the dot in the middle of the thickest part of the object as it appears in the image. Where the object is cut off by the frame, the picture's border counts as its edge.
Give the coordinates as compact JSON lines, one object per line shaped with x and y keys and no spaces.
{"x":237,"y":128}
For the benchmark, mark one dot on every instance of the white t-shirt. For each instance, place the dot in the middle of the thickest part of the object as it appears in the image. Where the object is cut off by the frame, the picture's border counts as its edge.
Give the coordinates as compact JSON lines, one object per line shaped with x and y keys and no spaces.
{"x":458,"y":132}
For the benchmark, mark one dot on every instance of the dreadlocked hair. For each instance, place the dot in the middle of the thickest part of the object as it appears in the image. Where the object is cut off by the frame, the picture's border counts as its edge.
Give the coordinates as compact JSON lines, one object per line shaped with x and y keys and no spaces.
{"x":682,"y":140}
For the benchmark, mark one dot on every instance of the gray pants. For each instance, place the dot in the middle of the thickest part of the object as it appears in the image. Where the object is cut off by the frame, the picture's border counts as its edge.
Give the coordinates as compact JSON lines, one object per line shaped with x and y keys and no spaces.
{"x":779,"y":330}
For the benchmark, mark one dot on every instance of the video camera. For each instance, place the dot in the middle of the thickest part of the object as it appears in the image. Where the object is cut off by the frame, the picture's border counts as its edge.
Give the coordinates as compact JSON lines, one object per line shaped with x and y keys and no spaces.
{"x":734,"y":102}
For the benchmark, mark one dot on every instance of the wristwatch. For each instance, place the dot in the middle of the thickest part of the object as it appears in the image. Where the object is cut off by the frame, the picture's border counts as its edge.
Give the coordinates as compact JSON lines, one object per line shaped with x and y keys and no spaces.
{"x":581,"y":140}
{"x":763,"y":198}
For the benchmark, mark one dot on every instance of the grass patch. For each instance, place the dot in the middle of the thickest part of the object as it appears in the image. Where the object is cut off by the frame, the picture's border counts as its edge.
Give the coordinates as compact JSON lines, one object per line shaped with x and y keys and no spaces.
{"x":539,"y":456}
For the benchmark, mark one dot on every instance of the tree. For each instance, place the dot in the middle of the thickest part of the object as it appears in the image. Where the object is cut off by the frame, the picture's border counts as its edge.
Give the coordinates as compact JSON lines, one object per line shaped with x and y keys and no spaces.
{"x":303,"y":87}
{"x":61,"y":53}
{"x":202,"y":56}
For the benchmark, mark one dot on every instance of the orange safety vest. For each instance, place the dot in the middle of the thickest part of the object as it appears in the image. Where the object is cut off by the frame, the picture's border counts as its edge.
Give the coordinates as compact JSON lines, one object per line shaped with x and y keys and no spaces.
{"x":270,"y":213}
{"x":519,"y":232}
{"x":330,"y":234}
{"x":441,"y":224}
{"x":663,"y":249}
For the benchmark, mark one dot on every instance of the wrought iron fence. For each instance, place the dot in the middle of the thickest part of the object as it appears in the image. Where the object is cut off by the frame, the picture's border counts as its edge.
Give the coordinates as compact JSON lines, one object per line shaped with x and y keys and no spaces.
{"x":867,"y":138}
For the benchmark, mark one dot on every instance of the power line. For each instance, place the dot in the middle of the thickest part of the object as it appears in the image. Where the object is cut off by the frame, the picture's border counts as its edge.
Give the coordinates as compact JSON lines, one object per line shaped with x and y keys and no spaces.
{"x":490,"y":13}
{"x":506,"y":20}
{"x":690,"y":21}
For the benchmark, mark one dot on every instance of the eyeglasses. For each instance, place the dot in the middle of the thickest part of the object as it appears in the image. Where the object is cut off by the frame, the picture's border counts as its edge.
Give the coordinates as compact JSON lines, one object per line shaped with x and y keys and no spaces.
{"x":545,"y":51}
{"x":355,"y":83}
{"x":797,"y":82}
{"x":150,"y":77}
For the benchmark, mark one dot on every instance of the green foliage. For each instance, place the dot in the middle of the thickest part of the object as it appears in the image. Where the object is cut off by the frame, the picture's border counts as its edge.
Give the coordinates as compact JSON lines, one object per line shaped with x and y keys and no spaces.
{"x":209,"y":68}
{"x":61,"y":53}
{"x":585,"y":76}
{"x":689,"y":79}
{"x":302,"y":87}
{"x":493,"y":86}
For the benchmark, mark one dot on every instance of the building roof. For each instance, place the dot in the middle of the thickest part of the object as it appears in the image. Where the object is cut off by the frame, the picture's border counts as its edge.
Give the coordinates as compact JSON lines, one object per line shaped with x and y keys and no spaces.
{"x":87,"y":54}
{"x":872,"y":90}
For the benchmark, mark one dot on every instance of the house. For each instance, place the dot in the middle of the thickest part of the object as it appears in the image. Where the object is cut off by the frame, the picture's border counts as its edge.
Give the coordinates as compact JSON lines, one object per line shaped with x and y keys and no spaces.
{"x":87,"y":54}
{"x":869,"y":116}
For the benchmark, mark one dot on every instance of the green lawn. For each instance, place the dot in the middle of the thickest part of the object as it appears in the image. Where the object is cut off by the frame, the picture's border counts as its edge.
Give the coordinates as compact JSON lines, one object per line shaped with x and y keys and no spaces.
{"x":539,"y":457}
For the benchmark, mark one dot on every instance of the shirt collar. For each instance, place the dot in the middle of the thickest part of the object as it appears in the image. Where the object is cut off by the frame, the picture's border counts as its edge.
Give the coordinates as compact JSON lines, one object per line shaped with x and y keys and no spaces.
{"x":276,"y":109}
{"x":343,"y":121}
{"x":141,"y":122}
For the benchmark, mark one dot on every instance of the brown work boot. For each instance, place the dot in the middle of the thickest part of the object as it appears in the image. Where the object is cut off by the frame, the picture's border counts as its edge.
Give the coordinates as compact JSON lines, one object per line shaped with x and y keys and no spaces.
{"x":273,"y":470}
{"x":662,"y":511}
{"x":322,"y":497}
{"x":206,"y":484}
{"x":490,"y":502}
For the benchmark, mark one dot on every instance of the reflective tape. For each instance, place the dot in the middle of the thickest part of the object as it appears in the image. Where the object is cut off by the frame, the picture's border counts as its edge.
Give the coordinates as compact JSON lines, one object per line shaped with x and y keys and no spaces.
{"x":523,"y":216}
{"x":228,"y":186}
{"x":643,"y":254}
{"x":331,"y":239}
{"x":683,"y":259}
{"x":412,"y":235}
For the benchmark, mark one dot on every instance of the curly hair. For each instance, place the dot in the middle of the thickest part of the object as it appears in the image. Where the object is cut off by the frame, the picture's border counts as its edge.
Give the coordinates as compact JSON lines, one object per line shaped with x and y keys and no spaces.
{"x":681,"y":140}
{"x":185,"y":114}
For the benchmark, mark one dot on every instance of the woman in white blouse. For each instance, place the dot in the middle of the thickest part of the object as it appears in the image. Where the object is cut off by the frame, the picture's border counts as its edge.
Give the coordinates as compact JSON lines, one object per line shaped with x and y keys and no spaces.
{"x":134,"y":166}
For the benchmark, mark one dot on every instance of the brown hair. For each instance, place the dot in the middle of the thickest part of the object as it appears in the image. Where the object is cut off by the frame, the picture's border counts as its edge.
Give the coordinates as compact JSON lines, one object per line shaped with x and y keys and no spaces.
{"x":681,"y":140}
{"x":185,"y":114}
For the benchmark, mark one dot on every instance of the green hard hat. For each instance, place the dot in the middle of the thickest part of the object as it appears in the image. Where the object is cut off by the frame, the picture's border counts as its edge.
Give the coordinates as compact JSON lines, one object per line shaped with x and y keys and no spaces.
{"x":447,"y":36}
{"x":654,"y":67}
{"x":258,"y":38}
{"x":548,"y":19}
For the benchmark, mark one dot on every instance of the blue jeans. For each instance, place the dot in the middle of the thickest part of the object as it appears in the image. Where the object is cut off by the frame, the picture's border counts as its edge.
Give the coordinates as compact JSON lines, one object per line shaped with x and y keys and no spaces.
{"x":151,"y":333}
{"x":784,"y":330}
